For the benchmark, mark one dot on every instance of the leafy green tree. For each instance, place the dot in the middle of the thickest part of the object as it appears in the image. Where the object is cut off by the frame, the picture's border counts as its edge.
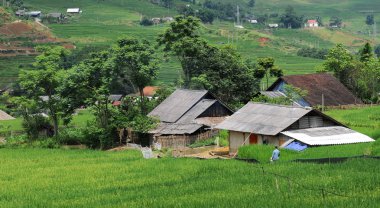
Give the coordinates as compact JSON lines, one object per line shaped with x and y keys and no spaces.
{"x":370,"y":20}
{"x":377,"y":50}
{"x":183,"y":41}
{"x":251,"y":3}
{"x":266,"y":68}
{"x":341,"y":62}
{"x":335,"y":21}
{"x":365,"y":53}
{"x":227,"y":76}
{"x":206,"y":16}
{"x":290,"y":18}
{"x":45,"y":80}
{"x":138,"y":61}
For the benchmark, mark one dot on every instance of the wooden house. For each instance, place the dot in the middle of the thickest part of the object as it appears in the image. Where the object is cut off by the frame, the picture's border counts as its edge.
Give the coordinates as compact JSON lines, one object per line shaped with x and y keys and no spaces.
{"x":322,"y":89}
{"x":261,"y":123}
{"x":187,"y":116}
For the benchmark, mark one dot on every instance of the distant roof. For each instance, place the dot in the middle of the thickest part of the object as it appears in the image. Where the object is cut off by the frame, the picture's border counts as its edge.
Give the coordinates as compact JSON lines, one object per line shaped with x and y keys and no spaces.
{"x":177,"y":104}
{"x":312,"y":21}
{"x":73,"y":10}
{"x":334,"y":92}
{"x":328,"y":136}
{"x":55,"y":14}
{"x":149,"y":91}
{"x":262,"y":118}
{"x":115,"y":97}
{"x":4,"y":116}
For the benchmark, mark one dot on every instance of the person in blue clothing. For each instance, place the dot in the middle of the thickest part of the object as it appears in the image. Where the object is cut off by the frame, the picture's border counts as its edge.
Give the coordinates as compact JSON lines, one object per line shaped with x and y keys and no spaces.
{"x":275,"y":154}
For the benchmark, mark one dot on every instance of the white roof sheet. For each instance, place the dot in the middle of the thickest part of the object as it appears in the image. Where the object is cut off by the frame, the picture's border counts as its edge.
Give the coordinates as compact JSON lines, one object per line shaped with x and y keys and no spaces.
{"x":328,"y":136}
{"x":73,"y":10}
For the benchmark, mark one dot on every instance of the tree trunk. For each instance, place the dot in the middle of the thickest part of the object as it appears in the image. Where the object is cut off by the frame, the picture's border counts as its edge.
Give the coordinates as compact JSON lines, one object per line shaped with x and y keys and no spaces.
{"x":142,"y":102}
{"x":55,"y":124}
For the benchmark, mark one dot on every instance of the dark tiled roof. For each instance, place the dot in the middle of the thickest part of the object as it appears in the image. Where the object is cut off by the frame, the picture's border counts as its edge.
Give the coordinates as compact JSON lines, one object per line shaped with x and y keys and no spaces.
{"x":334,"y":92}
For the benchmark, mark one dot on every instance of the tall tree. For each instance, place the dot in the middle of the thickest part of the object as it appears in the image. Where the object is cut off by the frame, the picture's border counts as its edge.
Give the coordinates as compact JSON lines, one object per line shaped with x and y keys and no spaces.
{"x":365,"y":53}
{"x":370,"y":20}
{"x":45,"y":80}
{"x":139,"y":62}
{"x":266,"y":68}
{"x":290,"y":18}
{"x":183,"y":41}
{"x":251,"y":3}
{"x":227,"y":76}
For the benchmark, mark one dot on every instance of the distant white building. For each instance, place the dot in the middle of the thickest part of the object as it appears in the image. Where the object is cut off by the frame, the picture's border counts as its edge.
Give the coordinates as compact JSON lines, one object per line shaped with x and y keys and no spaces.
{"x":312,"y":24}
{"x":273,"y":25}
{"x":168,"y":19}
{"x":73,"y":10}
{"x":252,"y":21}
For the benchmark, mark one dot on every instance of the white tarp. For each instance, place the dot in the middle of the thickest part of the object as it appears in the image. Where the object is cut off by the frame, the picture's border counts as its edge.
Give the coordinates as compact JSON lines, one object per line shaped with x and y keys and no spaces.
{"x":328,"y":136}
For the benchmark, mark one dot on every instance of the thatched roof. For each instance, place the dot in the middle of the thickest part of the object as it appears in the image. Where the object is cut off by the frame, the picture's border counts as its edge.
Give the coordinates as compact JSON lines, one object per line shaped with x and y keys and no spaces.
{"x":334,"y":92}
{"x":4,"y":116}
{"x":262,"y":118}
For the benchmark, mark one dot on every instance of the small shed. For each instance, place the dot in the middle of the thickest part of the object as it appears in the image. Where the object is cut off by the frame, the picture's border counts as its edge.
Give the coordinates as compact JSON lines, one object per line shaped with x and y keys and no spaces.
{"x":262,"y":123}
{"x":187,"y":116}
{"x":57,"y":16}
{"x":321,"y":89}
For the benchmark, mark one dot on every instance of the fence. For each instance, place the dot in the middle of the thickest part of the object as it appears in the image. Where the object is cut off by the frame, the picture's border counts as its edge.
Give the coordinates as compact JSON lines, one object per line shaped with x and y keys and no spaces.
{"x":176,"y":141}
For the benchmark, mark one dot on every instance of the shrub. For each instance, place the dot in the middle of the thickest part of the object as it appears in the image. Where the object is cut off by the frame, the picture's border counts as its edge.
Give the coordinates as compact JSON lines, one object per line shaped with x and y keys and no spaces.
{"x":201,"y":143}
{"x":146,"y":22}
{"x":71,"y":136}
{"x":312,"y":52}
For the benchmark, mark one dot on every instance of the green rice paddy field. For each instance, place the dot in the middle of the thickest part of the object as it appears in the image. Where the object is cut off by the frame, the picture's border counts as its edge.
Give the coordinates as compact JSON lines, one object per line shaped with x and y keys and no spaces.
{"x":102,"y":22}
{"x":85,"y":178}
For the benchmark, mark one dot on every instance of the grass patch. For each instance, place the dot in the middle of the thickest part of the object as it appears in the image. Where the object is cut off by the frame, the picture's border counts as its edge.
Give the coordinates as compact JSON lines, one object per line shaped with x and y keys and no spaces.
{"x":262,"y":153}
{"x":85,"y":178}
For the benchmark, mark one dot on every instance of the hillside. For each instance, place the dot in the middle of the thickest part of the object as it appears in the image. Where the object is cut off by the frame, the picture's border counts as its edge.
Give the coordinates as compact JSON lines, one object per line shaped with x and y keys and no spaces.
{"x":102,"y":22}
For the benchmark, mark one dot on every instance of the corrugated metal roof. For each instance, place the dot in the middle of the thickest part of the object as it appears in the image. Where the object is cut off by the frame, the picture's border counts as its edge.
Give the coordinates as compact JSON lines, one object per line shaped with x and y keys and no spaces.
{"x":262,"y":118}
{"x":273,"y":94}
{"x":176,"y":128}
{"x":328,"y":136}
{"x":5,"y":116}
{"x":334,"y":92}
{"x":177,"y":104}
{"x":197,"y":110}
{"x":115,"y":97}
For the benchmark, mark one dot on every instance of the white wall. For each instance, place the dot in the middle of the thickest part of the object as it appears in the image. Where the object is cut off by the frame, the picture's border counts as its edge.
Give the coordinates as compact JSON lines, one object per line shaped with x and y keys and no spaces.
{"x":237,"y":139}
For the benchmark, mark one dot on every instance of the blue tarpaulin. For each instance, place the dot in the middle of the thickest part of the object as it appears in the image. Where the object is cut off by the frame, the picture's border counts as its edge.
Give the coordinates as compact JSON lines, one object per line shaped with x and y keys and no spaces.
{"x":297,"y":146}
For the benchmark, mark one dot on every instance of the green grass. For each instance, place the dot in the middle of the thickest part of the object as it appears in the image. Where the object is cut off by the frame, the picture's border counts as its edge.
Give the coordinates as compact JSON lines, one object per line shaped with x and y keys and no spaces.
{"x":85,"y":178}
{"x":365,"y":120}
{"x":10,"y":67}
{"x":262,"y":153}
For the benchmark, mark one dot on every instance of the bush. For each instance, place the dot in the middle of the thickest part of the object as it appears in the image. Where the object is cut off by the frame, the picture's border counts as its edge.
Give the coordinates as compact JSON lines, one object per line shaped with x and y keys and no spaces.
{"x":50,"y":143}
{"x":71,"y":136}
{"x":95,"y":137}
{"x":146,"y":22}
{"x":201,"y":143}
{"x":312,"y":52}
